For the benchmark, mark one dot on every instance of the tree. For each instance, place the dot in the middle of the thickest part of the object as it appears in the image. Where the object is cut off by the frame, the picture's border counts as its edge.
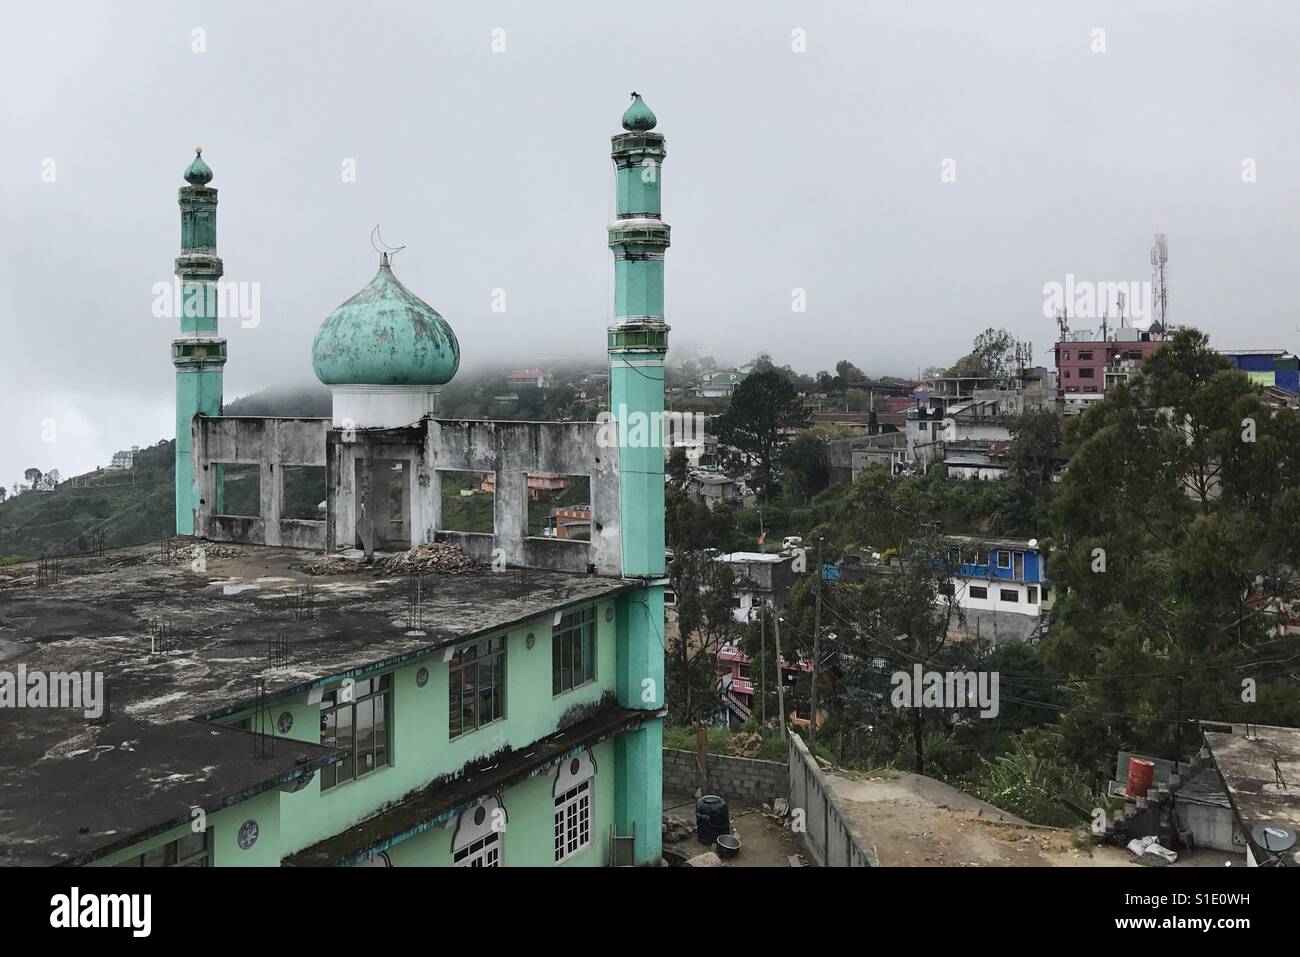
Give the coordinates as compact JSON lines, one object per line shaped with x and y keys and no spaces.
{"x":677,"y":470}
{"x":993,"y":356}
{"x":703,"y":589}
{"x":762,"y":408}
{"x":32,"y":476}
{"x":1174,"y":547}
{"x":3,"y":493}
{"x":848,"y":373}
{"x":805,"y":465}
{"x":53,"y":478}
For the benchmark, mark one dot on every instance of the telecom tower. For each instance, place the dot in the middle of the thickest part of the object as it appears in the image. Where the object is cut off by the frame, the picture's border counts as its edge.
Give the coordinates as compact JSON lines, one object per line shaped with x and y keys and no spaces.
{"x":1159,"y":282}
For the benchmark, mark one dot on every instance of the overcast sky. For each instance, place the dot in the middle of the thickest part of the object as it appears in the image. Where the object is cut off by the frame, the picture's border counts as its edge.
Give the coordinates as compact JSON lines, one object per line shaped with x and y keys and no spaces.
{"x":811,"y":146}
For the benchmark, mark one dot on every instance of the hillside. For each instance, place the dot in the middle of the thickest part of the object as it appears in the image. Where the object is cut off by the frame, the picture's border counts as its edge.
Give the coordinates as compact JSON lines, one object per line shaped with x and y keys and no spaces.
{"x":127,"y":507}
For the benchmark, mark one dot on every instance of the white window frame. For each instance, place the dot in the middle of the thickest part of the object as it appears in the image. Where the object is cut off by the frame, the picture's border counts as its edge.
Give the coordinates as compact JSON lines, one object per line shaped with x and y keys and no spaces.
{"x":484,"y":852}
{"x":573,"y":814}
{"x":1001,"y":552}
{"x":479,"y":839}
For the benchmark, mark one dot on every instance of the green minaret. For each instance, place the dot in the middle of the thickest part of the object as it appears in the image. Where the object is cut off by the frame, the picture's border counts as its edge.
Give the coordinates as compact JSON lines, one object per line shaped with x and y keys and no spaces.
{"x":638,"y":342}
{"x":198,"y":352}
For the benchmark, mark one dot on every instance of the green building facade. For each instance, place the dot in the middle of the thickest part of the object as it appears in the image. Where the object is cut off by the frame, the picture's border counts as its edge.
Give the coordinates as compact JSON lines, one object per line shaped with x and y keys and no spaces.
{"x":537,"y":742}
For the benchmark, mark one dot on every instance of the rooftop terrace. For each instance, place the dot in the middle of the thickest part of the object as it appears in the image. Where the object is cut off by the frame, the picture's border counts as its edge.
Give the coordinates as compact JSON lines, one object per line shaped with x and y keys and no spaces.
{"x":244,"y":617}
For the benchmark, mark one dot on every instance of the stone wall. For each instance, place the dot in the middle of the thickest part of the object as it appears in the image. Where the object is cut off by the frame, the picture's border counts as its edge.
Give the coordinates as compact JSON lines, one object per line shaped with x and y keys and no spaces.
{"x":734,"y":779}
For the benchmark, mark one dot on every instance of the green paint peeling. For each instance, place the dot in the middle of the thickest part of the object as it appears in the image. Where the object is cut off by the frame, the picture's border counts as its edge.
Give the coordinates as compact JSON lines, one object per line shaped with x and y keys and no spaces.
{"x":385,"y":335}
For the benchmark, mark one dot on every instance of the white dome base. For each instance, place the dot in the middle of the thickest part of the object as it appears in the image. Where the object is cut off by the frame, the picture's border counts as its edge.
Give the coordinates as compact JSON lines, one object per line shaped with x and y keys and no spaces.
{"x":382,"y":406}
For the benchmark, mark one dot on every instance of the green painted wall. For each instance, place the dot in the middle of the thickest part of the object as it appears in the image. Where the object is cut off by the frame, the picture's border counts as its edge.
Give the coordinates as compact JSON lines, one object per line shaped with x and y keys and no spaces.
{"x":225,"y":825}
{"x":421,"y":749}
{"x":529,"y":839}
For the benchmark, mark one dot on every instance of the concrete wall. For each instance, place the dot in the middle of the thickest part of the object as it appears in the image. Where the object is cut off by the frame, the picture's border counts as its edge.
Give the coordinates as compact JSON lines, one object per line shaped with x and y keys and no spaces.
{"x":735,"y":779}
{"x":828,"y":839}
{"x":270,"y":444}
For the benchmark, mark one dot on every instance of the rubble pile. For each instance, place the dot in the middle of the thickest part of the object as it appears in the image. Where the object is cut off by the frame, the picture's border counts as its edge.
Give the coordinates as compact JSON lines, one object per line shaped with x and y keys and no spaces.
{"x":745,"y":744}
{"x":186,"y":553}
{"x":677,"y":829}
{"x":333,"y":566}
{"x":435,"y":556}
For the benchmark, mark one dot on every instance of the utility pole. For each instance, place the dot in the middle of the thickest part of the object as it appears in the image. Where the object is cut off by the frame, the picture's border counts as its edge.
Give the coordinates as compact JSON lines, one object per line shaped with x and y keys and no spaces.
{"x":762,"y":666}
{"x":817,"y":650}
{"x":780,"y":685}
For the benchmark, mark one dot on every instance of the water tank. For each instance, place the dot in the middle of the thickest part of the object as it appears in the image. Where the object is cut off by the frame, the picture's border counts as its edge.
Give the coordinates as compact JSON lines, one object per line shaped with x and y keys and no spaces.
{"x":711,"y":819}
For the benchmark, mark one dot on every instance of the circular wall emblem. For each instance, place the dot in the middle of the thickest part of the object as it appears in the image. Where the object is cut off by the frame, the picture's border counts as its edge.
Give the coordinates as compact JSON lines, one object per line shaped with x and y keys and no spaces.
{"x":609,"y":613}
{"x":422,"y":677}
{"x":574,"y":765}
{"x":530,"y":640}
{"x":248,"y":834}
{"x":480,"y":815}
{"x":285,"y":722}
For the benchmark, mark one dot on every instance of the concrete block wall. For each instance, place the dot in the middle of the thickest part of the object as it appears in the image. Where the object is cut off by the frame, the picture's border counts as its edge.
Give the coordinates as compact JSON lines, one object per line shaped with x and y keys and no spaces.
{"x":734,"y":779}
{"x":829,"y":839}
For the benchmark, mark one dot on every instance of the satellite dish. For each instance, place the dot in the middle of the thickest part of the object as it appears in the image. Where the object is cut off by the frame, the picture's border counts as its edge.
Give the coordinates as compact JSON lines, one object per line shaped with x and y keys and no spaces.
{"x":1033,"y":543}
{"x":1273,"y":837}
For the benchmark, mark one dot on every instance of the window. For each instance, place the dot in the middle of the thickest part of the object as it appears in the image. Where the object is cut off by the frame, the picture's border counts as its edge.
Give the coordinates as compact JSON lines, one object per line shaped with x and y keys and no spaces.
{"x":1088,"y":373}
{"x":479,"y":835}
{"x":1085,"y":355}
{"x":573,"y":650}
{"x":1067,"y":373}
{"x":1065,"y":356}
{"x":476,"y":686}
{"x":192,"y":850}
{"x":355,"y":718}
{"x":735,"y":602}
{"x":572,"y":821}
{"x":978,"y":591}
{"x":669,"y":598}
{"x":1031,"y":594}
{"x":945,"y":588}
{"x":485,"y":852}
{"x":1009,"y":594}
{"x":1004,"y":559}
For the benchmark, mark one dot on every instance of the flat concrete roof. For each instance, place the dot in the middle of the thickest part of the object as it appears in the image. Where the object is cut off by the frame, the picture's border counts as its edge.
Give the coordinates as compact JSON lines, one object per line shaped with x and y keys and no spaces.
{"x":1260,"y":766}
{"x":72,"y":789}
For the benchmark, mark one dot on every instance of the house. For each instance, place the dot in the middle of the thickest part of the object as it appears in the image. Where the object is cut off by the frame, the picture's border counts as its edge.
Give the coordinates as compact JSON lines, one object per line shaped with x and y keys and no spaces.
{"x":761,"y":578}
{"x":1259,"y":766}
{"x":711,"y":488}
{"x":529,"y":378}
{"x":1000,"y":584}
{"x":123,"y":460}
{"x":718,"y":385}
{"x":1084,"y":356}
{"x":976,"y":461}
{"x":1276,"y":368}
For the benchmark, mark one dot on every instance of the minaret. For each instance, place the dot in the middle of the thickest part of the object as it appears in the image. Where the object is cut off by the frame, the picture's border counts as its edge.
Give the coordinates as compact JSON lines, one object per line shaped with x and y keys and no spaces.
{"x":198,"y":352}
{"x":638,"y":342}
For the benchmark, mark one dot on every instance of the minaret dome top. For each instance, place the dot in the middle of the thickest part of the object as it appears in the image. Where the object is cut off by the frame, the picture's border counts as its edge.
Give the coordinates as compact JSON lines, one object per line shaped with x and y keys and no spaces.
{"x":638,"y":116}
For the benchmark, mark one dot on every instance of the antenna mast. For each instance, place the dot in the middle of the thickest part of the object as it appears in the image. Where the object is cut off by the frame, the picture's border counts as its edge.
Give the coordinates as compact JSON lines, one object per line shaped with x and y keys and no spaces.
{"x":1159,"y":282}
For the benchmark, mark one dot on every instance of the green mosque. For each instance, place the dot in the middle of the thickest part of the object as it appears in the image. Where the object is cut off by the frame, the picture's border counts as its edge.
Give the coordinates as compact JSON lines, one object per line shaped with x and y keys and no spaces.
{"x":279,"y":693}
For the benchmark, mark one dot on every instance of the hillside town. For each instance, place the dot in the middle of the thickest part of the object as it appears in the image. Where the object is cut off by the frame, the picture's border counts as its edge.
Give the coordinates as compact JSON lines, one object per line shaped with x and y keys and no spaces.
{"x":603,"y":595}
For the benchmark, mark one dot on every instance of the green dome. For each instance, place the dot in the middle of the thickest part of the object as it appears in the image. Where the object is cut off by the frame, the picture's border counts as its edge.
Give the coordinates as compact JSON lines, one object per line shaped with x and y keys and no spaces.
{"x":385,"y":335}
{"x":198,"y":173}
{"x":638,"y":115}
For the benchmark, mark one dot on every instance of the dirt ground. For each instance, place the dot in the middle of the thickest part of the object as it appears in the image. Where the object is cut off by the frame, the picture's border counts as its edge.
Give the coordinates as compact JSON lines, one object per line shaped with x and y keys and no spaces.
{"x":915,"y":821}
{"x":763,"y":843}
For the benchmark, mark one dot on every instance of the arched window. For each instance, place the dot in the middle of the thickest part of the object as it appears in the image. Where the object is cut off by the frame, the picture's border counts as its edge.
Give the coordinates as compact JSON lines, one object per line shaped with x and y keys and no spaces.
{"x":574,"y":809}
{"x":480,"y":835}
